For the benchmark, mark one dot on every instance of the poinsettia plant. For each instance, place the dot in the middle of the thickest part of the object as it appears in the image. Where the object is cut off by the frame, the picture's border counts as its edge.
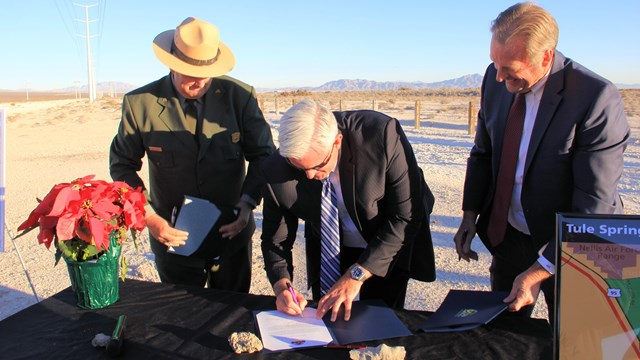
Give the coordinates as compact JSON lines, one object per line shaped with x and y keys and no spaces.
{"x":83,"y":216}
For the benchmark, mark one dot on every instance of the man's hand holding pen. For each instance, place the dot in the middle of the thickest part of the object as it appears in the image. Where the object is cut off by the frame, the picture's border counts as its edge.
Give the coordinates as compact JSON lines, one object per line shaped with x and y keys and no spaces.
{"x":294,"y":296}
{"x":288,"y":300}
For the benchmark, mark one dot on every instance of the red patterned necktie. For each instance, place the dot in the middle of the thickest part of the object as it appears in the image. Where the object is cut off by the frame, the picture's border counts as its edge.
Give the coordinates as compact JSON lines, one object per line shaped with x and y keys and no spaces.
{"x":506,"y":173}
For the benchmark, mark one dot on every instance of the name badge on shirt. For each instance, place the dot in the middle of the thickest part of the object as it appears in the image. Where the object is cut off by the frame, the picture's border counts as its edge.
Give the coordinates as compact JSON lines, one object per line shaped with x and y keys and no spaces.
{"x":235,"y":137}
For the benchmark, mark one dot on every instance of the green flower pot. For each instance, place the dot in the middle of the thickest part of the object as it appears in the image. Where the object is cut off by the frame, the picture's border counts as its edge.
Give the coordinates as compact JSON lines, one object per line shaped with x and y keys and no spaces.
{"x":95,"y":282}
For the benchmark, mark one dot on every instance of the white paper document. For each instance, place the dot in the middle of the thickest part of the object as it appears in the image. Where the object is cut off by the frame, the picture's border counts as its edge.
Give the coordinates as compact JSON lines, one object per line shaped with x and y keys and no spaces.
{"x":280,"y":331}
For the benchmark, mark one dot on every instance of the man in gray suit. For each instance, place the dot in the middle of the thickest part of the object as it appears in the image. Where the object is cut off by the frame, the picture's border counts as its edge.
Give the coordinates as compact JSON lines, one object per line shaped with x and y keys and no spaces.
{"x":197,"y":129}
{"x":382,"y":201}
{"x":568,"y":154}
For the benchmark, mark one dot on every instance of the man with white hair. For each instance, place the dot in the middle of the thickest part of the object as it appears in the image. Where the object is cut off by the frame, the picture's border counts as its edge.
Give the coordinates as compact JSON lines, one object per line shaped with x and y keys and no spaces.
{"x":353,"y":178}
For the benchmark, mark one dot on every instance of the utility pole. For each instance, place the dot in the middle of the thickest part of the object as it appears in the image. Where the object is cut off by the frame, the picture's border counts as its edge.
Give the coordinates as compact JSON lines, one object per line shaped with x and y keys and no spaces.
{"x":91,"y":80}
{"x":78,"y":94}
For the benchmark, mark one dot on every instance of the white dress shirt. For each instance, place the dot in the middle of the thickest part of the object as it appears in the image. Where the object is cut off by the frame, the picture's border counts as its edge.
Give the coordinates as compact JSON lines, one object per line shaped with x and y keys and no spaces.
{"x":516,"y":213}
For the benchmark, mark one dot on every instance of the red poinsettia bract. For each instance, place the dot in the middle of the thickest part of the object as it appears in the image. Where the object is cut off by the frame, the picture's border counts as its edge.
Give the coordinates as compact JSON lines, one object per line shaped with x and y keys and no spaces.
{"x":87,"y":209}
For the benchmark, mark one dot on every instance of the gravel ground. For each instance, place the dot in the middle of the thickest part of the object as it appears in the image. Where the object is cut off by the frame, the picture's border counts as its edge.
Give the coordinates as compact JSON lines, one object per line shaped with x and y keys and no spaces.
{"x":49,"y":142}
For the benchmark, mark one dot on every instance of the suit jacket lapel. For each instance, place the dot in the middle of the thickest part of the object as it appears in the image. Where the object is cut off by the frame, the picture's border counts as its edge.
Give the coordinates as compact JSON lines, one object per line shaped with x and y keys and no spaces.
{"x":170,"y":112}
{"x":215,"y":116}
{"x":505,"y":106}
{"x":550,"y":100}
{"x":347,"y":165}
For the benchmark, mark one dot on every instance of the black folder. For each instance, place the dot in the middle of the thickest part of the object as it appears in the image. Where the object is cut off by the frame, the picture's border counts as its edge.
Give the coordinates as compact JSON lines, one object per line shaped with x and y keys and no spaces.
{"x":464,"y":310}
{"x":370,"y":320}
{"x":196,"y":216}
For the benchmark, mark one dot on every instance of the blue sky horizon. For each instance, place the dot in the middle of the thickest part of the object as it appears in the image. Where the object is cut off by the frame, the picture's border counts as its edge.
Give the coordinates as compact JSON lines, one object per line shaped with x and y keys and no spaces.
{"x":298,"y":44}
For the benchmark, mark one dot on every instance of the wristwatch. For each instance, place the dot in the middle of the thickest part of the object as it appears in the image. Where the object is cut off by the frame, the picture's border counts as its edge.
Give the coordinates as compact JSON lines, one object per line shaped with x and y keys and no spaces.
{"x":357,"y":272}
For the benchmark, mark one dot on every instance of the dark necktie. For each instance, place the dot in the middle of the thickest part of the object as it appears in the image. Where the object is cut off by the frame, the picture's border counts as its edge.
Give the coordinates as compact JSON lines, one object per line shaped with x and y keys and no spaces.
{"x":193,"y":121}
{"x":506,"y":173}
{"x":329,"y":238}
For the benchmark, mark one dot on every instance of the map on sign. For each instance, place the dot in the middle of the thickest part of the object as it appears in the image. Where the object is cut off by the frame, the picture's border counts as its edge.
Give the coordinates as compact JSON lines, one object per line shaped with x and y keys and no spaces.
{"x":598,"y":287}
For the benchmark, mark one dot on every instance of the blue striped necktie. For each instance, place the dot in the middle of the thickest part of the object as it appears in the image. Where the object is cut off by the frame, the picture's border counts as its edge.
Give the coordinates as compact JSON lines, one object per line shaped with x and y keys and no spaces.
{"x":329,"y":238}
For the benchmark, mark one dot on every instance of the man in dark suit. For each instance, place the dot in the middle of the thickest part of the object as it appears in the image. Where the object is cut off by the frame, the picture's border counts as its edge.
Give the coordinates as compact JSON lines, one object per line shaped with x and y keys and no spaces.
{"x":567,"y":158}
{"x":382,"y":200}
{"x":197,"y":129}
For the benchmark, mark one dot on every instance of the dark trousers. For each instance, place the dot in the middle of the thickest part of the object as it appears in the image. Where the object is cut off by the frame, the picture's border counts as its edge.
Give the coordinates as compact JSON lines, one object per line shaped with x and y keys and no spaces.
{"x":391,"y":289}
{"x":512,"y":257}
{"x":232,"y":272}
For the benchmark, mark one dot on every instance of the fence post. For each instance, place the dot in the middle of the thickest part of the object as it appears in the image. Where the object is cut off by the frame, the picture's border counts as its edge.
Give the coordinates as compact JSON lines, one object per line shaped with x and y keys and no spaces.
{"x":472,"y":123}
{"x":340,"y":102}
{"x":373,"y":104}
{"x":293,"y":101}
{"x":276,"y":105}
{"x":417,"y":114}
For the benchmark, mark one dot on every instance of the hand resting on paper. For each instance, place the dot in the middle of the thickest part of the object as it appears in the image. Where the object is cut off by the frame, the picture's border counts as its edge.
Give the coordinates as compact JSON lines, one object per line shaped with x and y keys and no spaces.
{"x":343,"y":292}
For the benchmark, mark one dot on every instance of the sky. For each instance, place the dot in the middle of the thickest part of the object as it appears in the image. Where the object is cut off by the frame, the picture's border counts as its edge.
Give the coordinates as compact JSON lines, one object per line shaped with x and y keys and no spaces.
{"x":295,"y":43}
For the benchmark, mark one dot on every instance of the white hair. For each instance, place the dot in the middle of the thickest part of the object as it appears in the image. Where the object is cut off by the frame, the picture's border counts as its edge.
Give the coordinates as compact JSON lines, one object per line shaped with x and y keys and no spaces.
{"x":306,"y":125}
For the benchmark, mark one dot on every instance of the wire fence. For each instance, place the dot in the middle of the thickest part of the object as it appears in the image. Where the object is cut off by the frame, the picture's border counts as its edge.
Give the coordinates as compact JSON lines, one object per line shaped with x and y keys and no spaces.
{"x":453,"y":108}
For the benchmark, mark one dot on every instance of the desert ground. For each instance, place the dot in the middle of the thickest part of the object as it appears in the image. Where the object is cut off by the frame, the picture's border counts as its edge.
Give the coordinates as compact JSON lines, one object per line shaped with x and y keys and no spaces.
{"x":56,"y":139}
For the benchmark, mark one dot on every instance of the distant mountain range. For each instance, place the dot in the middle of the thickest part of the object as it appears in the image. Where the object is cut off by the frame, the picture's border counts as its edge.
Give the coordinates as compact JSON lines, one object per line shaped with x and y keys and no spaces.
{"x":467,"y":81}
{"x":463,"y":82}
{"x":105,"y":87}
{"x":115,"y":87}
{"x":628,"y":86}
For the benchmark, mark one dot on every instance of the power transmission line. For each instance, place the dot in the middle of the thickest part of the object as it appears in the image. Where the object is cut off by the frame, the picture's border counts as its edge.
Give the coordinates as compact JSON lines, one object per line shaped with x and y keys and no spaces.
{"x":68,"y":20}
{"x":101,"y":22}
{"x":75,"y":18}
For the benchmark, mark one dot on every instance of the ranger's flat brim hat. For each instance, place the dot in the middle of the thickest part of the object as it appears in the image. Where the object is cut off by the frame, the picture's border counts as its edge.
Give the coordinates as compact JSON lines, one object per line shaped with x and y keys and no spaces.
{"x":194,"y":49}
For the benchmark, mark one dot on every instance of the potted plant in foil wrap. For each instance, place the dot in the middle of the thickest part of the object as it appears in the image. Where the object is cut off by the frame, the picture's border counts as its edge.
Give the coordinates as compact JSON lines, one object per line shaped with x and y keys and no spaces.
{"x":87,"y":221}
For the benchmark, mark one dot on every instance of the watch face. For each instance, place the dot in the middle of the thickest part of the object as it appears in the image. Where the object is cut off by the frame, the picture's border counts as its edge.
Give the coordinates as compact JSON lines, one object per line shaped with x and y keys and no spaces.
{"x":357,"y":273}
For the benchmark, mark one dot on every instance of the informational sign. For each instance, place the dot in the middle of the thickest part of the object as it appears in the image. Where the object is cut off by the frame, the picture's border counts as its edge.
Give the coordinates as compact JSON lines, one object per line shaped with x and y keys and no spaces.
{"x":3,"y":161}
{"x":597,"y":287}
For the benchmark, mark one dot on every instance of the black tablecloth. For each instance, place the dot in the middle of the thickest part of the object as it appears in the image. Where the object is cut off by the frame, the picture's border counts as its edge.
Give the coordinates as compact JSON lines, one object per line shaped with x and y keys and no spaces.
{"x":174,"y":322}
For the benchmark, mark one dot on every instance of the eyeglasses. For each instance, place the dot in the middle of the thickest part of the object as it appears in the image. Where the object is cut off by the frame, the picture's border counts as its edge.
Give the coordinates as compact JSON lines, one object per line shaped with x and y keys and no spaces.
{"x":317,"y":167}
